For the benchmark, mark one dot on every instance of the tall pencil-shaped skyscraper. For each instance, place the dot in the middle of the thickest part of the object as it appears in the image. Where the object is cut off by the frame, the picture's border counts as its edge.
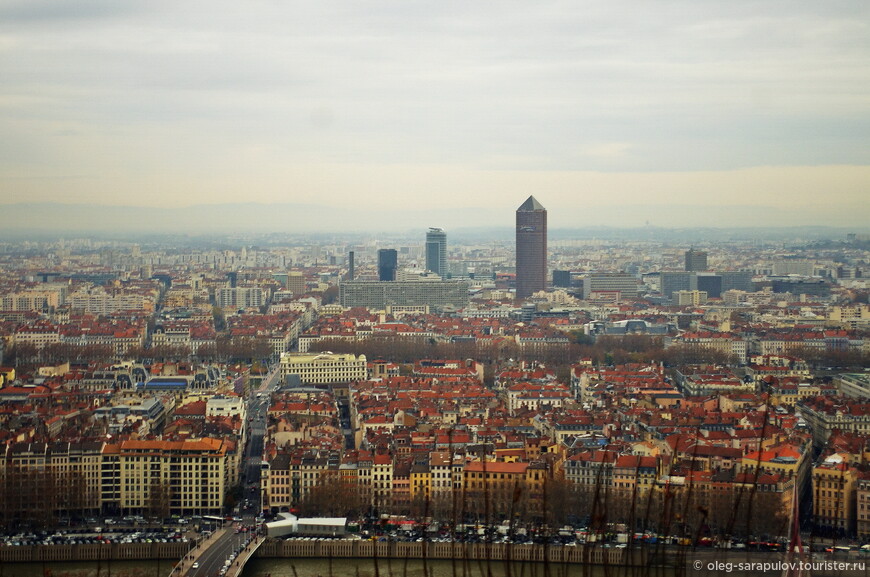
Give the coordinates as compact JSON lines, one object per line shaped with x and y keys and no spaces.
{"x":531,"y":248}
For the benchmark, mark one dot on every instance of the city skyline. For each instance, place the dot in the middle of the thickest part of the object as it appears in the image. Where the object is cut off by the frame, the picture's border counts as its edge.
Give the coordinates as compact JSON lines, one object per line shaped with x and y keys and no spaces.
{"x":259,"y":365}
{"x":676,"y":114}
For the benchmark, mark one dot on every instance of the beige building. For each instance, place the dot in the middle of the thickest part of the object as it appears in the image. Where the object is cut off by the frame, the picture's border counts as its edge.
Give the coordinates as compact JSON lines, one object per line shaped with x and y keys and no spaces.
{"x":171,"y":335}
{"x":690,"y":298}
{"x":323,"y":368}
{"x":863,"y":507}
{"x":382,"y":480}
{"x":850,"y":317}
{"x":39,"y":481}
{"x":824,"y":415}
{"x":726,"y":343}
{"x":33,"y":300}
{"x":158,"y":478}
{"x":39,"y":335}
{"x":289,"y":479}
{"x":296,"y":282}
{"x":789,"y":395}
{"x":789,"y":460}
{"x":440,"y":474}
{"x":96,"y":300}
{"x":275,"y":484}
{"x":835,"y":485}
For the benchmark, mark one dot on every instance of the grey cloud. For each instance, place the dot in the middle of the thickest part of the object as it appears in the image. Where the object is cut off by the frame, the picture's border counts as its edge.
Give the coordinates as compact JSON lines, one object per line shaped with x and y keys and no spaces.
{"x":44,"y":11}
{"x":630,"y":86}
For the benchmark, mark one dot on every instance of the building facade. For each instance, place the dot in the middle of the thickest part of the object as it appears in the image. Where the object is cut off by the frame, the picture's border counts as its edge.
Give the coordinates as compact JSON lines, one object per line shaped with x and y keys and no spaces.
{"x":323,"y":368}
{"x":159,"y":478}
{"x":672,"y":282}
{"x":834,"y":494}
{"x":561,"y":278}
{"x":625,"y":284}
{"x":696,"y":260}
{"x":531,"y":235}
{"x":239,"y":297}
{"x":381,"y":294}
{"x":388,"y":262}
{"x":436,"y":251}
{"x":689,"y":298}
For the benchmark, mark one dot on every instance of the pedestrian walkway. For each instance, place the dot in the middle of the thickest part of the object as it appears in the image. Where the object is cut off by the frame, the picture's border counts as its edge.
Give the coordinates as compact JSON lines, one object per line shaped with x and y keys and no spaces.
{"x":184,"y":565}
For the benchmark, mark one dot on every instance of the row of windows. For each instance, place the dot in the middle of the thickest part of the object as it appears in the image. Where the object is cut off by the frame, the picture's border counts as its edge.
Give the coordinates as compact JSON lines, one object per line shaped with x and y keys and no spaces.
{"x":498,"y":475}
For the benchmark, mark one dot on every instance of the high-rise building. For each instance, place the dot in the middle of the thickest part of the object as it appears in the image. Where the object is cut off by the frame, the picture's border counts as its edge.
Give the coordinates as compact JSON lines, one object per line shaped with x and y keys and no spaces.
{"x":531,"y":248}
{"x":436,"y":251}
{"x":696,"y":260}
{"x":709,"y":282}
{"x":801,"y":285}
{"x":388,"y":262}
{"x":676,"y":281}
{"x":562,"y":278}
{"x":350,"y":266}
{"x":737,"y":280}
{"x":239,"y":297}
{"x":296,"y":282}
{"x":713,"y":283}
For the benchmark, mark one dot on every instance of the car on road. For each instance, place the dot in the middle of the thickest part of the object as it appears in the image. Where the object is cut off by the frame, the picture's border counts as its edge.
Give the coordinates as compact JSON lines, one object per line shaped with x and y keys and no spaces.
{"x":195,"y":565}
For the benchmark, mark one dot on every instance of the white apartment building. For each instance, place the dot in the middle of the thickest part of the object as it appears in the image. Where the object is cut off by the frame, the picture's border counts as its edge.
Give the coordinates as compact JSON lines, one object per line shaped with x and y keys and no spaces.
{"x":222,"y":406}
{"x":239,"y":297}
{"x":323,"y":368}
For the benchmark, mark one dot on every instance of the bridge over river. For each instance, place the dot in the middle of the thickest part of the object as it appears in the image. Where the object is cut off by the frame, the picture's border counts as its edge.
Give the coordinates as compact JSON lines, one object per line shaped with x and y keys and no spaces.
{"x":224,"y":554}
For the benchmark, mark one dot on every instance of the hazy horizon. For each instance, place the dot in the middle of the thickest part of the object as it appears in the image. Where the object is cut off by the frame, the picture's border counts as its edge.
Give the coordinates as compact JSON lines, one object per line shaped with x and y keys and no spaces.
{"x":255,"y":220}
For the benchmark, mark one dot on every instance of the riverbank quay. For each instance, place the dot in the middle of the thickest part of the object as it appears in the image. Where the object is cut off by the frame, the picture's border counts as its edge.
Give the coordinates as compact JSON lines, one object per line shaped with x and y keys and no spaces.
{"x":679,"y":560}
{"x":93,"y":552}
{"x":184,"y":555}
{"x":384,"y":551}
{"x":365,"y":549}
{"x":174,"y":551}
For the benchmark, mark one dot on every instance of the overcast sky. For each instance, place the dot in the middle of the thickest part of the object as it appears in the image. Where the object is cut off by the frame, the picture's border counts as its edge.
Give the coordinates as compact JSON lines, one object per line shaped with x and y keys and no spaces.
{"x":593,"y":107}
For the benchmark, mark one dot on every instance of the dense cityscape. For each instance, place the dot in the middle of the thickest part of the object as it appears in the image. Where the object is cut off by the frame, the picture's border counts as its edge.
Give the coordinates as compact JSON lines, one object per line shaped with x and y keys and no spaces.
{"x":434,"y":289}
{"x":713,"y":394}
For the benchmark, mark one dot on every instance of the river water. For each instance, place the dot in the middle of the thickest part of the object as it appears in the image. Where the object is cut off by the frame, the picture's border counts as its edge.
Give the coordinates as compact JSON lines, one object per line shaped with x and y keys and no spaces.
{"x":413,"y":568}
{"x":404,"y":568}
{"x":323,"y":568}
{"x":87,"y":569}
